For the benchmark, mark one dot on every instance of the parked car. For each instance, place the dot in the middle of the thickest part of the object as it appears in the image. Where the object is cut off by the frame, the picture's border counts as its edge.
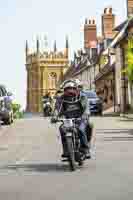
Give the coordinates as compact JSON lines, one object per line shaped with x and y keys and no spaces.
{"x":6,"y":112}
{"x":95,"y":103}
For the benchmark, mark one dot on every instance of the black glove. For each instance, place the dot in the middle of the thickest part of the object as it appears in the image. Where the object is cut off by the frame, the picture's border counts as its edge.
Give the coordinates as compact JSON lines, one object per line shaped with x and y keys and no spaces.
{"x":85,"y":116}
{"x":53,"y":120}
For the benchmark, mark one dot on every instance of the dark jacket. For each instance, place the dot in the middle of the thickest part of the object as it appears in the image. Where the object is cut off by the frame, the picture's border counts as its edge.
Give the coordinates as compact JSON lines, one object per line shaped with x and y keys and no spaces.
{"x":46,"y":98}
{"x":72,"y":107}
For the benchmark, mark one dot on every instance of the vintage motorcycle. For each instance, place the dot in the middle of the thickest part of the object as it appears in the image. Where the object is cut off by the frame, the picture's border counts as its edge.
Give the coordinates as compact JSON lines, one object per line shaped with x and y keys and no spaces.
{"x":47,"y":109}
{"x":73,"y":145}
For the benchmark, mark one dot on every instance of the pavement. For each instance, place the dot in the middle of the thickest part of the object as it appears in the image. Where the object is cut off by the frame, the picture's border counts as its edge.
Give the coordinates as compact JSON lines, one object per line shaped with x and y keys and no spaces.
{"x":30,"y":165}
{"x":110,"y":112}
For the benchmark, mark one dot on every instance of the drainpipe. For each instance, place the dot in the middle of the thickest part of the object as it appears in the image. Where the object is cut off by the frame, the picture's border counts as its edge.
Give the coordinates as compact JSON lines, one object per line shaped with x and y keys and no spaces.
{"x":123,"y":86}
{"x":114,"y":89}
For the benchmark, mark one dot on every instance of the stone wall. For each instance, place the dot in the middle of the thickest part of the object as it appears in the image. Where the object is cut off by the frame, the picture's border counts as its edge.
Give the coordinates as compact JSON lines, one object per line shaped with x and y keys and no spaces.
{"x":105,"y":90}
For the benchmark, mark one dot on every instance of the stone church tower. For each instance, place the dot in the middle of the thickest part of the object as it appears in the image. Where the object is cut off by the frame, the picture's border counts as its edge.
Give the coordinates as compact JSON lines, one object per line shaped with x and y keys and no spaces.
{"x":44,"y":71}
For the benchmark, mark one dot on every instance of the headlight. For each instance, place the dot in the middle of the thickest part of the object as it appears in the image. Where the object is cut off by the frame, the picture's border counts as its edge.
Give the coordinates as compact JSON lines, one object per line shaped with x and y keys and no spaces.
{"x":68,"y":123}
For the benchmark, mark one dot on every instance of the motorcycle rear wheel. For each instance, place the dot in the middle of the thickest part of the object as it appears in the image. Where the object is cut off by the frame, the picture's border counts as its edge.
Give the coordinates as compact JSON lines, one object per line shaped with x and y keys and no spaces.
{"x":71,"y":153}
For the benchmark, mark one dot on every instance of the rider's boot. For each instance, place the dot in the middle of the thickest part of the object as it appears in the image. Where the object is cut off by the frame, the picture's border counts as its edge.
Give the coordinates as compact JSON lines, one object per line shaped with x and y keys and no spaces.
{"x":86,"y":152}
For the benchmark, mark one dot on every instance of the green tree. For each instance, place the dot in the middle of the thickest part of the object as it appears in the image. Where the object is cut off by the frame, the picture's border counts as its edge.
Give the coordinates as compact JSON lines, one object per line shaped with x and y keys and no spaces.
{"x":17,"y":111}
{"x":129,"y":71}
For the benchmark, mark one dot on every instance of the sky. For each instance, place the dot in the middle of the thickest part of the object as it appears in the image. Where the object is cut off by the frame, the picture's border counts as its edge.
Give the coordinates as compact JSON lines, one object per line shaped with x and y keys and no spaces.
{"x":22,"y":20}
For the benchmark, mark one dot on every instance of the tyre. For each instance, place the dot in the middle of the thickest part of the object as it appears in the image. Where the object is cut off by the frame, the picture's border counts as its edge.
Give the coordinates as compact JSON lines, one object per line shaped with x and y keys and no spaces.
{"x":44,"y":113}
{"x":49,"y":112}
{"x":9,"y":120}
{"x":12,"y":118}
{"x":71,"y":153}
{"x":78,"y":158}
{"x":80,"y":163}
{"x":101,"y":113}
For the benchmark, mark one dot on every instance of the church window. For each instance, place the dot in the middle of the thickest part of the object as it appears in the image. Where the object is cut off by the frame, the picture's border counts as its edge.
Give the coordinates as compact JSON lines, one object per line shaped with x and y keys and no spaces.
{"x":52,"y":80}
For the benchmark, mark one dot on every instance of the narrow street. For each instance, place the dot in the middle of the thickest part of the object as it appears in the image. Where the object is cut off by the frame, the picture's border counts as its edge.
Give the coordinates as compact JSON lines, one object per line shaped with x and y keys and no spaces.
{"x":30,"y":166}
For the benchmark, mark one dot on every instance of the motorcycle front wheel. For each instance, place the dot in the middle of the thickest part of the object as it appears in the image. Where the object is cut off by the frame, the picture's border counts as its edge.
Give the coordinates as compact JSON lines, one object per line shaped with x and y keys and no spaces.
{"x":71,"y":153}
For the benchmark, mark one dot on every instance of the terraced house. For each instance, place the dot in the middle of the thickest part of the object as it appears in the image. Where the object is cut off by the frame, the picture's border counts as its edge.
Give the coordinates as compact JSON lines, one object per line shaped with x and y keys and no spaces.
{"x":88,"y":65}
{"x":101,"y":62}
{"x":111,"y":83}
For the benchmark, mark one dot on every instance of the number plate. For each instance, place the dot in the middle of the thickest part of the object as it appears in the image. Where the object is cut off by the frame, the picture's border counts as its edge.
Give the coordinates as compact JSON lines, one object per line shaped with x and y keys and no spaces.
{"x":68,"y":123}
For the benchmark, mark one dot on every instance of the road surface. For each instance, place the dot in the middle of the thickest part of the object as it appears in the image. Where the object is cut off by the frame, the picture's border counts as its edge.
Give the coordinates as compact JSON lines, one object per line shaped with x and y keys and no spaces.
{"x":30,"y":165}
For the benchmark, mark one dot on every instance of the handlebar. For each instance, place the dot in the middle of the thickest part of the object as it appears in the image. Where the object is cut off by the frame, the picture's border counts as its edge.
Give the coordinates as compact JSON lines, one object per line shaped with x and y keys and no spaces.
{"x":62,"y":119}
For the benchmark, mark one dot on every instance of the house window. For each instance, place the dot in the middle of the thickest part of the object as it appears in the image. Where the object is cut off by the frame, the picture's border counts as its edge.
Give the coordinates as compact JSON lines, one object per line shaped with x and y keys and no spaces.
{"x":130,"y":10}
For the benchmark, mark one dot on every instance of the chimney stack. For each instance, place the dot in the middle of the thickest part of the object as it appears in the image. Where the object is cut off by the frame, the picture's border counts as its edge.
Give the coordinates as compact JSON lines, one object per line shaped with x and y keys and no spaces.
{"x":108,"y":23}
{"x":129,"y":7}
{"x":90,"y":34}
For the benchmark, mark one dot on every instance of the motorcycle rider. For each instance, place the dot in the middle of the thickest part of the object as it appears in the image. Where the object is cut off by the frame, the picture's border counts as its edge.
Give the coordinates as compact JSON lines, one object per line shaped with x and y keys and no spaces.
{"x":47,"y":98}
{"x":90,"y":128}
{"x":74,"y":105}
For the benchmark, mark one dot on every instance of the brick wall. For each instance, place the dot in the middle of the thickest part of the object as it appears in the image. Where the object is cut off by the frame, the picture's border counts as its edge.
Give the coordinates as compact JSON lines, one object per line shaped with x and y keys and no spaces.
{"x":90,"y":34}
{"x":129,"y":7}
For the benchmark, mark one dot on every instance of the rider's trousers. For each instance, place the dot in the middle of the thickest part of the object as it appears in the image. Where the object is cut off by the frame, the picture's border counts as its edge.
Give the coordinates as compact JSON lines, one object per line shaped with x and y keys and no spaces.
{"x":83,"y":135}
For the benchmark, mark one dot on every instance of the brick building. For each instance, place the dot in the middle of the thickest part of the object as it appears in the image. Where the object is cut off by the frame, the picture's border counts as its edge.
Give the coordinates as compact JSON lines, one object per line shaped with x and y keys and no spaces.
{"x":87,"y":64}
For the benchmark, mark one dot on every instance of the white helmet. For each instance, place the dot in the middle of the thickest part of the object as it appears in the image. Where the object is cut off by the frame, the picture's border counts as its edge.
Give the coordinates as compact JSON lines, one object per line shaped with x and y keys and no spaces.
{"x":70,"y":84}
{"x":62,"y":85}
